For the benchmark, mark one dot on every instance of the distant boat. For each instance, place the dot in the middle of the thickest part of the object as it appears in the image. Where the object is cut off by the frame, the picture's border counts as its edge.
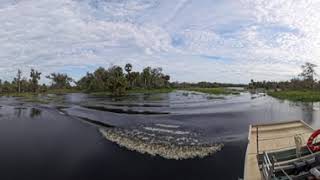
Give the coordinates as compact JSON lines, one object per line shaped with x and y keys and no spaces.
{"x":278,"y":151}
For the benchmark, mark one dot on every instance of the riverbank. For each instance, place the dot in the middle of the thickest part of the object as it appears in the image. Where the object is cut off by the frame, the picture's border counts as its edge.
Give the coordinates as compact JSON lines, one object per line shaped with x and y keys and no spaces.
{"x":297,"y":95}
{"x":34,"y":97}
{"x":50,"y":91}
{"x":132,"y":91}
{"x":216,"y":90}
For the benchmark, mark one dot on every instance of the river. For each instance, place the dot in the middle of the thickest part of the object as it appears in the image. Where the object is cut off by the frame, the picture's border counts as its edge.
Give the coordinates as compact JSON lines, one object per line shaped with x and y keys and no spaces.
{"x":63,"y":139}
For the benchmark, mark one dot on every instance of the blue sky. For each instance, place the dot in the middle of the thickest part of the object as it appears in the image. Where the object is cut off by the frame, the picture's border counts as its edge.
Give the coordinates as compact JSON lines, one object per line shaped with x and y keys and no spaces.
{"x":193,"y":40}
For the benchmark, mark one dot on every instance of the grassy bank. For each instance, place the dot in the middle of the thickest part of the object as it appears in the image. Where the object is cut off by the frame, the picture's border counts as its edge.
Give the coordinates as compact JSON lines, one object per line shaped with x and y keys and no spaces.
{"x":301,"y":95}
{"x":50,"y":91}
{"x":218,"y":90}
{"x":36,"y":97}
{"x":132,"y":91}
{"x":32,"y":96}
{"x":62,"y":91}
{"x":28,"y":97}
{"x":150,"y":91}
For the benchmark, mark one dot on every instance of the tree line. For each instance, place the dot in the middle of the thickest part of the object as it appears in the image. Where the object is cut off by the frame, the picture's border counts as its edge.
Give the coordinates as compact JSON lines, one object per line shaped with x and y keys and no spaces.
{"x":114,"y":79}
{"x":203,"y":84}
{"x":31,"y":84}
{"x":117,"y":80}
{"x":306,"y":80}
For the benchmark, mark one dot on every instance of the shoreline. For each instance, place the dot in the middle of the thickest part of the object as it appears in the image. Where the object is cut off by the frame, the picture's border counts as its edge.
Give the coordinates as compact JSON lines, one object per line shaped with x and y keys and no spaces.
{"x":297,"y":95}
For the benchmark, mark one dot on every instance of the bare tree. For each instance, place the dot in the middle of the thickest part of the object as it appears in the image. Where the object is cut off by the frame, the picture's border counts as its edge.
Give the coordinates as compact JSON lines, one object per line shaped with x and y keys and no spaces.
{"x":19,"y":80}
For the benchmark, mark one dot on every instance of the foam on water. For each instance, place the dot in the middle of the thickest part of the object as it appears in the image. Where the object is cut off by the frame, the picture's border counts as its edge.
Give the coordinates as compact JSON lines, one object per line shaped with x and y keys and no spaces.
{"x":169,"y":147}
{"x":168,"y":126}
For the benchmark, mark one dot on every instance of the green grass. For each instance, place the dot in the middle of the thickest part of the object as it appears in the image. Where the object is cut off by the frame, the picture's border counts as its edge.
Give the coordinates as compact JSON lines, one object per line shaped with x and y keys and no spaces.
{"x":27,"y":97}
{"x":36,"y":97}
{"x":61,"y":91}
{"x":100,"y":93}
{"x":142,"y":91}
{"x":297,"y":95}
{"x":217,"y":90}
{"x":151,"y":91}
{"x":50,"y":91}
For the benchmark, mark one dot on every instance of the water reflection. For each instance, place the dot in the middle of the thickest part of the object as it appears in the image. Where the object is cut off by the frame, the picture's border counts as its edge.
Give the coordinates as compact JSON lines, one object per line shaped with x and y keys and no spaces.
{"x":310,"y":110}
{"x":34,"y":112}
{"x":18,"y":111}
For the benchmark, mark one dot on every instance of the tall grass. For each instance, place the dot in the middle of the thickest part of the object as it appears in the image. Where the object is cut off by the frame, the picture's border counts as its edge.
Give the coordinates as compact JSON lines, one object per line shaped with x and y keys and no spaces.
{"x":217,"y":90}
{"x":297,"y":95}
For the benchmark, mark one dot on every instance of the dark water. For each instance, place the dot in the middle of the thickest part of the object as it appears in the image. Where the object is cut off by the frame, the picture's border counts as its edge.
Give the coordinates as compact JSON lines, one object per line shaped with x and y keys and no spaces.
{"x":54,"y":141}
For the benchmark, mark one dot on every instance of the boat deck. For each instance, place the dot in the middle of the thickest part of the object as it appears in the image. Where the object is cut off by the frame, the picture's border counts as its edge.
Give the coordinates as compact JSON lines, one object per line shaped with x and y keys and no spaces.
{"x":271,"y":137}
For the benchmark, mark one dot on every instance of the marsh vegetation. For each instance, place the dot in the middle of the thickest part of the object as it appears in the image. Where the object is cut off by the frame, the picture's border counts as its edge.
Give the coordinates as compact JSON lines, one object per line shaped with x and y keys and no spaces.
{"x":305,"y":87}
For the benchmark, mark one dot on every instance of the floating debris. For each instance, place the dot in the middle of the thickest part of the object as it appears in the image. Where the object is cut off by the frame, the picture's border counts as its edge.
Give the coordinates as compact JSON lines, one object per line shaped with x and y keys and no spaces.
{"x":169,"y":147}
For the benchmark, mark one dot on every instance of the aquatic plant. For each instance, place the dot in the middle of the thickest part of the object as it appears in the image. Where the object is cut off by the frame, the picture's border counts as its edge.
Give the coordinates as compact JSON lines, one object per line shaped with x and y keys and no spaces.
{"x":297,"y":95}
{"x":215,"y":90}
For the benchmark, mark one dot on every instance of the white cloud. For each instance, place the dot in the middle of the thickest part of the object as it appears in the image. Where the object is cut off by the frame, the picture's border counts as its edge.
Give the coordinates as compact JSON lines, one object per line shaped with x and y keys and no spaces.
{"x":193,"y":40}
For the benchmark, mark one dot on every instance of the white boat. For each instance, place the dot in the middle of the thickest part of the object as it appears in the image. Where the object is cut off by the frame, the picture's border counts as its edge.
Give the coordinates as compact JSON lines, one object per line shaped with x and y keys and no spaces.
{"x":278,"y":151}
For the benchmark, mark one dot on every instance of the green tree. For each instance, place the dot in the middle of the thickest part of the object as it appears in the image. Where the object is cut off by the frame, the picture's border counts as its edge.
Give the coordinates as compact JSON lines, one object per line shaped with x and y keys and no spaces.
{"x":100,"y":78}
{"x":134,"y":79}
{"x":84,"y":82}
{"x":1,"y":86}
{"x":60,"y":81}
{"x":167,"y":79}
{"x":7,"y":87}
{"x":146,"y":77}
{"x":308,"y":73}
{"x":117,"y":82}
{"x":25,"y":85}
{"x":35,"y":77}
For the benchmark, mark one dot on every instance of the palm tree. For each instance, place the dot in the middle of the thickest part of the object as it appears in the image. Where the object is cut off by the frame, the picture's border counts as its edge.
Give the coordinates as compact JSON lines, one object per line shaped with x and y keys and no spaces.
{"x":167,"y":79}
{"x":128,"y":68}
{"x":35,"y":77}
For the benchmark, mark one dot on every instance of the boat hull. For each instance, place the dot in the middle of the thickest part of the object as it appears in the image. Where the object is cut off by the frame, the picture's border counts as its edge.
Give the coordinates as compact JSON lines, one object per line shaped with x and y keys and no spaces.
{"x":271,"y":138}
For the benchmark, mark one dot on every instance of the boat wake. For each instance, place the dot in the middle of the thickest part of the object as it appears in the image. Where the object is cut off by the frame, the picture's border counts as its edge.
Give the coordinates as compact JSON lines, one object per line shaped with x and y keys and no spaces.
{"x":161,"y":143}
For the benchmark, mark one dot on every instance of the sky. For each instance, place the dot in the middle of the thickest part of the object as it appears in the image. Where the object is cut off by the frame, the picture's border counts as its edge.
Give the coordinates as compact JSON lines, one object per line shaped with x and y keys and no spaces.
{"x":192,"y":40}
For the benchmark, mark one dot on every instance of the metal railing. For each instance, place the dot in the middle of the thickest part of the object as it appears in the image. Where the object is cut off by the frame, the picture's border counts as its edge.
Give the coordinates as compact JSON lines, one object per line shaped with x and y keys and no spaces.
{"x":267,"y":167}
